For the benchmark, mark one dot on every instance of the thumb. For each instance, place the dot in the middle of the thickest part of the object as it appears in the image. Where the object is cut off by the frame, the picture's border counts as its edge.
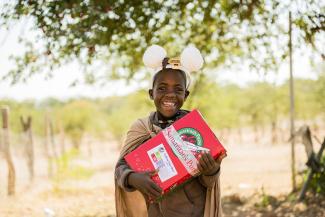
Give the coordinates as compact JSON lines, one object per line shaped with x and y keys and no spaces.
{"x":221,"y":157}
{"x":153,"y":172}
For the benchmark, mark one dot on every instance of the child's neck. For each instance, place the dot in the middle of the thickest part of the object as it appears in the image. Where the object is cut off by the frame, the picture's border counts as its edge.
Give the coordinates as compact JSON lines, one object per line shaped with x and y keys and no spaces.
{"x":165,"y":119}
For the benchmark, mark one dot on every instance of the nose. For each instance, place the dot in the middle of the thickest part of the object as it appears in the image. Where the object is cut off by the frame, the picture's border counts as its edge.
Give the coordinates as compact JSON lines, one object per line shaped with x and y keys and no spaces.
{"x":170,"y":93}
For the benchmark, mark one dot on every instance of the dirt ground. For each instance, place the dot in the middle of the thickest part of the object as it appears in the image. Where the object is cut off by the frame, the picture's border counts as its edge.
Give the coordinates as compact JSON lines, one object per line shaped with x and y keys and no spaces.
{"x":248,"y":174}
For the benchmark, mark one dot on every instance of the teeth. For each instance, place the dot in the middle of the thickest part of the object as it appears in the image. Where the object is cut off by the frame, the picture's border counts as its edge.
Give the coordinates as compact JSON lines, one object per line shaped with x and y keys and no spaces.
{"x":169,"y":103}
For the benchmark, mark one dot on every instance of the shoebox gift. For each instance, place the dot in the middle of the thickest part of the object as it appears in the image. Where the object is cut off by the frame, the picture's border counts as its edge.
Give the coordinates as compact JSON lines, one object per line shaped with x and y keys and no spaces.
{"x":174,"y":152}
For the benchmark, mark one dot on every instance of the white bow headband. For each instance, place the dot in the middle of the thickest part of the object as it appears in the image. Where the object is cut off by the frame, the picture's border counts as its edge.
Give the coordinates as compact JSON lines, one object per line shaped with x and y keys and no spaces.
{"x":190,"y":60}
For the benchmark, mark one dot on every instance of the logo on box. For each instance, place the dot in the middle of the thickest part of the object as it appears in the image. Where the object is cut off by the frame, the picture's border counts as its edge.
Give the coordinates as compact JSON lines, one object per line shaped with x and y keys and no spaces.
{"x":191,"y":135}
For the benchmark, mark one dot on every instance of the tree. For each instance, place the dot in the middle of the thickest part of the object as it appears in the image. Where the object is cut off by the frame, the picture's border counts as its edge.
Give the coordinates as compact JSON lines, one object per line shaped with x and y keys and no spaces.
{"x":117,"y":32}
{"x":79,"y":117}
{"x":123,"y":113}
{"x":319,"y":96}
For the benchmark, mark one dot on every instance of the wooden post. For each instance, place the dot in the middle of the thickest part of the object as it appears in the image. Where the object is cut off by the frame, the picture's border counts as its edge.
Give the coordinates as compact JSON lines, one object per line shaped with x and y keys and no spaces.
{"x":89,"y":146}
{"x":274,"y":136}
{"x":62,"y":139}
{"x":52,"y":140}
{"x":292,"y":112}
{"x":29,"y":147}
{"x":1,"y":144}
{"x":311,"y":173}
{"x":46,"y":146}
{"x":240,"y":135}
{"x":6,"y":150}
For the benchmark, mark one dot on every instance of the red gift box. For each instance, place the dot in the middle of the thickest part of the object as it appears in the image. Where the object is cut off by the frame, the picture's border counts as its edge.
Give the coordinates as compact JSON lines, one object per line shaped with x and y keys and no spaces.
{"x":175,"y":150}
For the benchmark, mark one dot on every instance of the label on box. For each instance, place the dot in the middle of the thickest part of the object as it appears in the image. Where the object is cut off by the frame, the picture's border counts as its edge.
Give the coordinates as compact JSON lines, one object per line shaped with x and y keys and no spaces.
{"x":194,"y":148}
{"x":177,"y":145}
{"x":161,"y":161}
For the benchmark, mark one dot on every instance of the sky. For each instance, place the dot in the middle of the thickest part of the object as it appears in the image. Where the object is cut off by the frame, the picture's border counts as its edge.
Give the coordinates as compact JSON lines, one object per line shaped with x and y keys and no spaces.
{"x":60,"y":85}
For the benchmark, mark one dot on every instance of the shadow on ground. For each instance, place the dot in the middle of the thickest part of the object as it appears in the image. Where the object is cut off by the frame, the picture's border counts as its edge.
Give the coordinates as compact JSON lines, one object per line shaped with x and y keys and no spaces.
{"x":269,"y":206}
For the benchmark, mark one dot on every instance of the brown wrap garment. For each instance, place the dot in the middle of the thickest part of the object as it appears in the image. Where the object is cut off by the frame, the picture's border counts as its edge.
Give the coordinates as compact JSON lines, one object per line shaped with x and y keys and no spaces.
{"x":132,"y":204}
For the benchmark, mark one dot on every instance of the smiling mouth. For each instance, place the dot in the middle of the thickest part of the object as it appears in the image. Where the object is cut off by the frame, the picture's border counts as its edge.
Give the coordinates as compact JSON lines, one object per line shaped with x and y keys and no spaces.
{"x":169,"y":105}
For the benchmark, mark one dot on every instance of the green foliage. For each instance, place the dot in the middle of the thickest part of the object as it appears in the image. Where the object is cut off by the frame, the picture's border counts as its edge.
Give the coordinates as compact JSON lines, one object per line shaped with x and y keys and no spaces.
{"x":24,"y":109}
{"x":306,"y":105}
{"x":223,"y":106}
{"x":319,"y":95}
{"x":119,"y":31}
{"x":219,"y":105}
{"x":317,"y":183}
{"x":125,"y":112}
{"x":67,"y":169}
{"x":265,"y":200}
{"x":260,"y":96}
{"x":79,"y":117}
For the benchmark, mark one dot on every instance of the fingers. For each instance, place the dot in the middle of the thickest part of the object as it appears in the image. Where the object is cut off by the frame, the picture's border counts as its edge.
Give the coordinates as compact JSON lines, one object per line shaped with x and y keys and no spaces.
{"x":202,"y":164}
{"x":206,"y":161}
{"x":149,"y":187}
{"x":154,"y":190}
{"x":199,"y":167}
{"x":207,"y":165}
{"x":209,"y":160}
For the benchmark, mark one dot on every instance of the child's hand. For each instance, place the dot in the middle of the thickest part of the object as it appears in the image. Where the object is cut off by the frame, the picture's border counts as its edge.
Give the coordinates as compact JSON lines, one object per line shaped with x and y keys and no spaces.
{"x":207,"y":165}
{"x":143,"y":183}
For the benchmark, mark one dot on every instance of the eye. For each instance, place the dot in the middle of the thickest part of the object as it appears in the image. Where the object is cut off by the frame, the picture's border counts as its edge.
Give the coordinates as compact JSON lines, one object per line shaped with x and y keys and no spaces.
{"x":179,"y":90}
{"x":161,"y":88}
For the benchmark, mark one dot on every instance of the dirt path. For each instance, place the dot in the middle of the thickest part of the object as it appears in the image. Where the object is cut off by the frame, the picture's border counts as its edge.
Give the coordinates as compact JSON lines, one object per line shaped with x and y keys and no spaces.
{"x":245,"y":171}
{"x":249,"y":168}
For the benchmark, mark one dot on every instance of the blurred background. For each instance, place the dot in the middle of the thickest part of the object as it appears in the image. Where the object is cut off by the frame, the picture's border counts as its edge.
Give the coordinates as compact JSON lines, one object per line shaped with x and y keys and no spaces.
{"x":72,"y":82}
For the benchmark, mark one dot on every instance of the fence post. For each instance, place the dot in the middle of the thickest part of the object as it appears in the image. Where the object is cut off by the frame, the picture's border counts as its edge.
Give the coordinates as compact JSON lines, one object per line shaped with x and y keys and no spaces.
{"x":6,"y":150}
{"x":52,"y":140}
{"x":29,"y":147}
{"x":311,"y":173}
{"x":62,"y":139}
{"x":46,"y":146}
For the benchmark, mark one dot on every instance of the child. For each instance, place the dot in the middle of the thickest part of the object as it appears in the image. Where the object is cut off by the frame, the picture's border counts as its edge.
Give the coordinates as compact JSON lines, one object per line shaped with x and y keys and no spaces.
{"x":197,"y":198}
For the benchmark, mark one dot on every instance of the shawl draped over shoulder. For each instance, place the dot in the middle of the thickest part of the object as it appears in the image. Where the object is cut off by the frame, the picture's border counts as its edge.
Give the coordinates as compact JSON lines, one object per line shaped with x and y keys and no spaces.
{"x":132,"y":204}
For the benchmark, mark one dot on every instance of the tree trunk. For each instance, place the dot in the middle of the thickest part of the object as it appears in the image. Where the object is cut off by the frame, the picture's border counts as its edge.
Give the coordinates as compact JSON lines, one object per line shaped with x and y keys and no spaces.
{"x":256,"y":138}
{"x":255,"y":128}
{"x":89,"y":146}
{"x":6,"y":150}
{"x":53,"y":146}
{"x":274,"y":137}
{"x":292,"y":112}
{"x":62,"y":139}
{"x":46,"y":147}
{"x":29,"y":147}
{"x":240,"y":135}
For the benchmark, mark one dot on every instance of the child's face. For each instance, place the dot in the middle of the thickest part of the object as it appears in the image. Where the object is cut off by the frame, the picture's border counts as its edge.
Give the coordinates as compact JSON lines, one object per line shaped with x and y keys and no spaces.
{"x":169,"y":92}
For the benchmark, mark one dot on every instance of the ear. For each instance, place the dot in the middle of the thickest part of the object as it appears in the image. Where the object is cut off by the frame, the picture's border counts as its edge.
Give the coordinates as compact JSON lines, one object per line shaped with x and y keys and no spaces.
{"x":186,"y":94}
{"x":150,"y":92}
